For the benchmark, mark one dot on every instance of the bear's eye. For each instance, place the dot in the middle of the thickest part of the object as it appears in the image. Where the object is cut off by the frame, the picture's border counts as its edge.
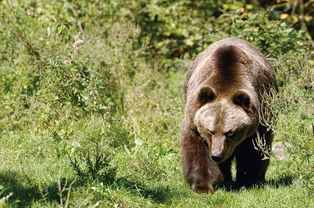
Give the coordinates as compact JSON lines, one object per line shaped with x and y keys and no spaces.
{"x":196,"y":132}
{"x":229,"y":134}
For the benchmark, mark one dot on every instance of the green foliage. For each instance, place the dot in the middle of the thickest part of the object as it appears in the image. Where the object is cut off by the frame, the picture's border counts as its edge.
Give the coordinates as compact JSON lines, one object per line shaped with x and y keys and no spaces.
{"x":273,"y":38}
{"x":295,"y":119}
{"x":91,"y":102}
{"x":172,"y":27}
{"x":94,"y":164}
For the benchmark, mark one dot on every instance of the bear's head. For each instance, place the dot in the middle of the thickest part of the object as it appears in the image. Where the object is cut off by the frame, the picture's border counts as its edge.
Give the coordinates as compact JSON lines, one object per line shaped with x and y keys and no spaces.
{"x":224,"y":121}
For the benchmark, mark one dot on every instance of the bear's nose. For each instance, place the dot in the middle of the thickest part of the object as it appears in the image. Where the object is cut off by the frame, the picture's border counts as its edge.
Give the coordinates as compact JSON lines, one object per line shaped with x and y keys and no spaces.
{"x":216,"y":158}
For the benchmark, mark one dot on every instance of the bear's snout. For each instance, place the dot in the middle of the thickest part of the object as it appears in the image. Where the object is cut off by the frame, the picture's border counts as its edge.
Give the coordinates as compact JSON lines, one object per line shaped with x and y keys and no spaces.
{"x":218,"y":147}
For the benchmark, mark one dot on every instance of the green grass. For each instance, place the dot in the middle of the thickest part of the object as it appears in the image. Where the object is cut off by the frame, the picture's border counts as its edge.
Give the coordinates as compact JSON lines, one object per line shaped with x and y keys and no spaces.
{"x":97,"y":125}
{"x":33,"y":175}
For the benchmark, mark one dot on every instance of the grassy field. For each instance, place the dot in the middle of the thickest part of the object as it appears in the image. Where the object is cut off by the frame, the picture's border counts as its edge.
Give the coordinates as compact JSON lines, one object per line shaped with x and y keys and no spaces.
{"x":91,"y":104}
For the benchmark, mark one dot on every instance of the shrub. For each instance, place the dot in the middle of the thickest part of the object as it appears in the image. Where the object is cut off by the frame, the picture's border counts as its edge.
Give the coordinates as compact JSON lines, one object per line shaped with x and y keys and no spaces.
{"x":93,"y":164}
{"x":271,"y":37}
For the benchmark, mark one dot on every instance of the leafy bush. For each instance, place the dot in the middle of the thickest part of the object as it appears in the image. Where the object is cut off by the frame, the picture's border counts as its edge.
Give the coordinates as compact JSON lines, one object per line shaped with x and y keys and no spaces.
{"x":93,"y":164}
{"x":273,"y":38}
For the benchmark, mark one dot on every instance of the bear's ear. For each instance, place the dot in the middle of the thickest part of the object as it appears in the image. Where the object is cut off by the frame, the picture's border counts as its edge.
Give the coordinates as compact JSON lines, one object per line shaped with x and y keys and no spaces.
{"x":242,"y":99}
{"x":206,"y":94}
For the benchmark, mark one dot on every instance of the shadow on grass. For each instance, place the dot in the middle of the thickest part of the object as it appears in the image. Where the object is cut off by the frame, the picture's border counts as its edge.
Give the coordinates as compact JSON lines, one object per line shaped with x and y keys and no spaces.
{"x":159,"y":194}
{"x":22,"y":196}
{"x":281,"y":181}
{"x":26,"y":192}
{"x":284,"y":180}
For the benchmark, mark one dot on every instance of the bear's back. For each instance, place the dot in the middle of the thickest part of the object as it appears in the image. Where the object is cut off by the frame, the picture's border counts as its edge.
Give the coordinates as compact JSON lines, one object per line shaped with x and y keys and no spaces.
{"x":229,"y":65}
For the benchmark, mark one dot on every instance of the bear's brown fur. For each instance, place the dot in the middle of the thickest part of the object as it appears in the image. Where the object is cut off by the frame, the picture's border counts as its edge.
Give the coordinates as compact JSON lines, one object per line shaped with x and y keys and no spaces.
{"x":223,"y":91}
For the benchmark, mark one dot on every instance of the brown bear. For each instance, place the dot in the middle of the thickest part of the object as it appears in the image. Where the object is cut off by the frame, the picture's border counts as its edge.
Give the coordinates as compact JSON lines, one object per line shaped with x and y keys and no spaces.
{"x":224,"y":92}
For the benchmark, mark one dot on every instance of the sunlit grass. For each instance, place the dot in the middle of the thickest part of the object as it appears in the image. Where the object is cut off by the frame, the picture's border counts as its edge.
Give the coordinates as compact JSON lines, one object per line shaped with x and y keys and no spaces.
{"x":64,"y":105}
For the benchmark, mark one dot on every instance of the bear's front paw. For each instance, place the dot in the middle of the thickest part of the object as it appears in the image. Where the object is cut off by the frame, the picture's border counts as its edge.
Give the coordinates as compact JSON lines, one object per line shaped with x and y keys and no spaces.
{"x":205,"y":188}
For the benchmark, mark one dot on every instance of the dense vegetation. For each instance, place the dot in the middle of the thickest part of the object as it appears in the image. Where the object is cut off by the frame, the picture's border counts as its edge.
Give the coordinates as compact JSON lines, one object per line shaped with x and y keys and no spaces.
{"x":91,"y":100}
